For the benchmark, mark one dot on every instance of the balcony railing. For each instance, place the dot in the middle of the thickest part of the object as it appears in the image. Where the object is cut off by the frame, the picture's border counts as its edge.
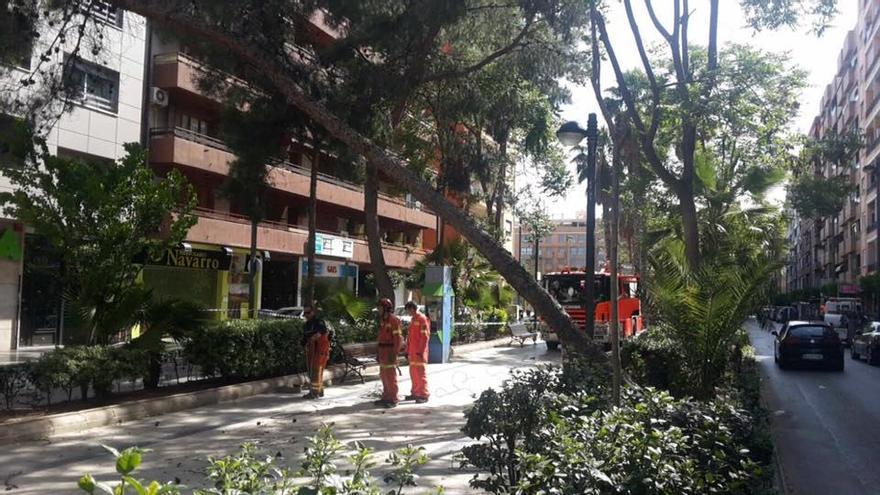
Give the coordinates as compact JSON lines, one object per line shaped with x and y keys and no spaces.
{"x":213,"y":142}
{"x":288,"y":227}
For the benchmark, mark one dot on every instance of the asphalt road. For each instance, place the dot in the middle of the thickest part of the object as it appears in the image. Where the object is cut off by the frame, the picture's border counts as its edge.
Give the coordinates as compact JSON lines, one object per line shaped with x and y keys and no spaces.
{"x":826,"y":424}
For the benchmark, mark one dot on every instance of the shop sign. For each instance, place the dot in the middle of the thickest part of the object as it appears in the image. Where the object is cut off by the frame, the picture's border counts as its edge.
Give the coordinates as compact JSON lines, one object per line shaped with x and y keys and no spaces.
{"x":849,"y":289}
{"x":331,"y":269}
{"x":330,"y":245}
{"x":196,"y":259}
{"x":10,"y":245}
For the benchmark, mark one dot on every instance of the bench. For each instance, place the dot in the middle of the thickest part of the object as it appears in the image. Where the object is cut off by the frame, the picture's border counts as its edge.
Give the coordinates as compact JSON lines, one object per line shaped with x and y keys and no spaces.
{"x":354,"y":364}
{"x":520,"y":332}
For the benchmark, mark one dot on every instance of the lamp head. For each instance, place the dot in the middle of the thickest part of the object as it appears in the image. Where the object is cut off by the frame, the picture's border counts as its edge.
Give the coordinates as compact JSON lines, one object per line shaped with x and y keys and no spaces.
{"x":570,"y":134}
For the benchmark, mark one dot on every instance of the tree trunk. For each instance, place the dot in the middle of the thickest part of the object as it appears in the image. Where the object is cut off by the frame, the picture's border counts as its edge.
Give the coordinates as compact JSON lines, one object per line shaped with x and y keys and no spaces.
{"x":393,"y":167}
{"x":374,"y":236}
{"x":252,"y":270}
{"x":501,"y":189}
{"x":689,"y":228}
{"x":313,"y":226}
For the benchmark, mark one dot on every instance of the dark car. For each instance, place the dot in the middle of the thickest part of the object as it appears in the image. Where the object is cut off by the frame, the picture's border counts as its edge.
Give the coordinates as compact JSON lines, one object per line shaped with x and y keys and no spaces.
{"x":866,"y":344}
{"x":809,"y":343}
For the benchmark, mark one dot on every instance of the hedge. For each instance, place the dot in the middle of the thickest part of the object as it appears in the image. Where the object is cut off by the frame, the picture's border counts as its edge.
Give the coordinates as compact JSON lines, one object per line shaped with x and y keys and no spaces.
{"x":248,"y":348}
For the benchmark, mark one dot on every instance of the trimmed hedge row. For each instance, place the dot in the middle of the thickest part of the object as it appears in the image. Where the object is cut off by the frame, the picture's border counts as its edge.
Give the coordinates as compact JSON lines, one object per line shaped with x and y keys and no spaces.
{"x":248,"y":348}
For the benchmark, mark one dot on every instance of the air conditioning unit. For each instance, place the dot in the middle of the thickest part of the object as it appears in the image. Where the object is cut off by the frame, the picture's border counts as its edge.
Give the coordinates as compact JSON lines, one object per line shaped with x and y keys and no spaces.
{"x":159,"y":97}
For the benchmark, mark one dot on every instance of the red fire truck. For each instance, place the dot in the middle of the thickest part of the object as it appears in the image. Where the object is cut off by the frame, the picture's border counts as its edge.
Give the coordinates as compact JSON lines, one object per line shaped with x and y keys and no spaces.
{"x":567,"y":287}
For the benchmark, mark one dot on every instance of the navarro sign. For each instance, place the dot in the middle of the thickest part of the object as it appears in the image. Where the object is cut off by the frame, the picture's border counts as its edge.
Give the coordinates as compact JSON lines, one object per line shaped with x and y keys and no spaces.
{"x":195,"y":259}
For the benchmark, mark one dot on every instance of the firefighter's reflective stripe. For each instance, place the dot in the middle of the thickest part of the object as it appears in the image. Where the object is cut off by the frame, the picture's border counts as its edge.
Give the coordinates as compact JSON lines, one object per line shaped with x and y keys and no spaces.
{"x":386,"y":366}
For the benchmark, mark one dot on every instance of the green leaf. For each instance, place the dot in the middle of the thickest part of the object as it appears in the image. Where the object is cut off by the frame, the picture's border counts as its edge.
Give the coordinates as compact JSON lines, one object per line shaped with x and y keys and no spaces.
{"x":128,"y":460}
{"x":138,"y":487}
{"x":705,"y":170}
{"x":87,"y":483}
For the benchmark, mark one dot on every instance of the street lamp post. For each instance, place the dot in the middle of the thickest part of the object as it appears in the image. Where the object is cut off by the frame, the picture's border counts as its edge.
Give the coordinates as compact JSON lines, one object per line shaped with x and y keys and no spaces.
{"x":571,"y":134}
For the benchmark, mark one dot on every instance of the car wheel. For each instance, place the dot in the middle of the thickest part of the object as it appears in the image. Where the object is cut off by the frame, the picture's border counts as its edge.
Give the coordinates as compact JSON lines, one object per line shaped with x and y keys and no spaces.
{"x":872,"y":356}
{"x":552,"y":346}
{"x":852,"y":352}
{"x":838,"y":366}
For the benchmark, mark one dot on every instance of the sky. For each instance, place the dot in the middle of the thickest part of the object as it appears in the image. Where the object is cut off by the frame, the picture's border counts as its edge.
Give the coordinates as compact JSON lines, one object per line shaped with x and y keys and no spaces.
{"x":816,"y":55}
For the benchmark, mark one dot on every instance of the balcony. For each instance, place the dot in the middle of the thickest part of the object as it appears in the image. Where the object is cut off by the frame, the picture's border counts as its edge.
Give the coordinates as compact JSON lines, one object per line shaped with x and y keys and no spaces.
{"x":232,"y":230}
{"x":178,"y":70}
{"x":183,"y":147}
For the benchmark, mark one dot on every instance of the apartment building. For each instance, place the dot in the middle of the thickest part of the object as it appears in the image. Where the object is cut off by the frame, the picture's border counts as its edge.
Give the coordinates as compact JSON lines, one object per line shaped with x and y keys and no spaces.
{"x":563,"y":249}
{"x":184,"y":135}
{"x":841,"y":248}
{"x":108,"y":112}
{"x":144,"y":88}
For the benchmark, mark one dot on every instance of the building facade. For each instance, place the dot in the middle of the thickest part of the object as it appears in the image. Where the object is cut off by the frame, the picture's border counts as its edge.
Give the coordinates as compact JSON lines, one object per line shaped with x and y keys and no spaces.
{"x":564,"y":249}
{"x":842,"y":248}
{"x":144,"y":88}
{"x":108,"y":103}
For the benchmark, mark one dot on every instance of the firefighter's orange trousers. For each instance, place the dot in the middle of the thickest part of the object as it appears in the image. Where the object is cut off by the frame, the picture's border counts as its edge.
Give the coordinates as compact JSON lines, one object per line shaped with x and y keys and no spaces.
{"x":318,"y":351}
{"x":388,"y":373}
{"x":418,"y":375}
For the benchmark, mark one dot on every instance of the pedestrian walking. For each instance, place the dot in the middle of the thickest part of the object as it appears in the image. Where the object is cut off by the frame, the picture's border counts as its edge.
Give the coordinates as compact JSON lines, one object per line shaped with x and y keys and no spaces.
{"x":417,"y":353}
{"x":316,"y":340}
{"x":388,"y":342}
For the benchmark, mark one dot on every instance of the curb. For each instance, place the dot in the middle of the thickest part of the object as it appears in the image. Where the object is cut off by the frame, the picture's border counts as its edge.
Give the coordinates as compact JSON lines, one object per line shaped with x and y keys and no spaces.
{"x":43,"y":428}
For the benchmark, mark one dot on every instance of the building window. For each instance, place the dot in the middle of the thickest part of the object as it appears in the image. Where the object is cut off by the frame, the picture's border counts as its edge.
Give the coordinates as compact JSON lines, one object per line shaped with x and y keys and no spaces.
{"x":103,"y":12}
{"x":92,"y":85}
{"x":193,"y":124}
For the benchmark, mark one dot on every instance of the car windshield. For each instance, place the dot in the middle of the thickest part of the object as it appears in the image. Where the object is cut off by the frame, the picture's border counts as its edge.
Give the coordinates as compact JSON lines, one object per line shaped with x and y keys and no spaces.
{"x":808,"y":331}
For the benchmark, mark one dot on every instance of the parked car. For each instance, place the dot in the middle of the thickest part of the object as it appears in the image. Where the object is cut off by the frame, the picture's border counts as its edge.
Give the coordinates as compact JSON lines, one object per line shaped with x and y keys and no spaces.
{"x":808,"y":342}
{"x":287,"y":312}
{"x":405,"y":318}
{"x":866,"y":344}
{"x":782,"y":314}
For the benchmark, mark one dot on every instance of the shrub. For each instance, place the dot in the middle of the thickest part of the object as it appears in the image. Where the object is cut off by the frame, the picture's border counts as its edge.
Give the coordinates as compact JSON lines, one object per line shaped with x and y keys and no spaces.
{"x":14,"y":380}
{"x":552,"y":431}
{"x":654,"y":359}
{"x":96,"y":367}
{"x":651,"y":444}
{"x":495,"y":315}
{"x":248,"y":348}
{"x":357,"y":332}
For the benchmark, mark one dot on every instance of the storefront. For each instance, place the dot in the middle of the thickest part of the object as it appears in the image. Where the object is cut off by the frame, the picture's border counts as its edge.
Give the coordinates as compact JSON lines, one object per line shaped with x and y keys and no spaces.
{"x":280,"y":284}
{"x":331,"y":274}
{"x":11,"y":260}
{"x":214,"y":277}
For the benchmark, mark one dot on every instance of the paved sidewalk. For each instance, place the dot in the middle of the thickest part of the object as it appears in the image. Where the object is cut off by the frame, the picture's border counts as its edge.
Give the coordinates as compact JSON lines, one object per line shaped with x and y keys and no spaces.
{"x":181,"y":442}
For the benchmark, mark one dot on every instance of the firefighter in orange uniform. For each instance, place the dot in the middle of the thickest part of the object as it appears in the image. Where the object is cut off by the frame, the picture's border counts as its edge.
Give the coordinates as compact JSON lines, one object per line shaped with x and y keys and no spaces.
{"x":417,"y":353}
{"x":389,"y":343}
{"x":316,"y":340}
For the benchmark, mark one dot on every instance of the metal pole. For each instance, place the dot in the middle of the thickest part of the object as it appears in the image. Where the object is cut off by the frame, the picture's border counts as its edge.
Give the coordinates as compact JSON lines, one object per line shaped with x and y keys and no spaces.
{"x":537,"y":246}
{"x":589,"y":290}
{"x":613,"y":257}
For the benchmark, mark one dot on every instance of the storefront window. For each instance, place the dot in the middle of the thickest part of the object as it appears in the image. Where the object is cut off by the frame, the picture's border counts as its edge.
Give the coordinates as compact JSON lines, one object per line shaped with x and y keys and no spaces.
{"x":196,"y":286}
{"x":41,"y":295}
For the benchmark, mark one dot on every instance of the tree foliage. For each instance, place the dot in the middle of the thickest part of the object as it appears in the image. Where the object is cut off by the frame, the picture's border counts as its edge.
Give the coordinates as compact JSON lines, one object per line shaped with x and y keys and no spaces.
{"x":100,"y":217}
{"x":812,"y":193}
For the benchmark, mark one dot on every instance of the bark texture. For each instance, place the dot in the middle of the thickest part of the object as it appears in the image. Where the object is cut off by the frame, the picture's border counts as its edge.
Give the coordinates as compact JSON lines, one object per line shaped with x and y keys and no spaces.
{"x":374,"y":234}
